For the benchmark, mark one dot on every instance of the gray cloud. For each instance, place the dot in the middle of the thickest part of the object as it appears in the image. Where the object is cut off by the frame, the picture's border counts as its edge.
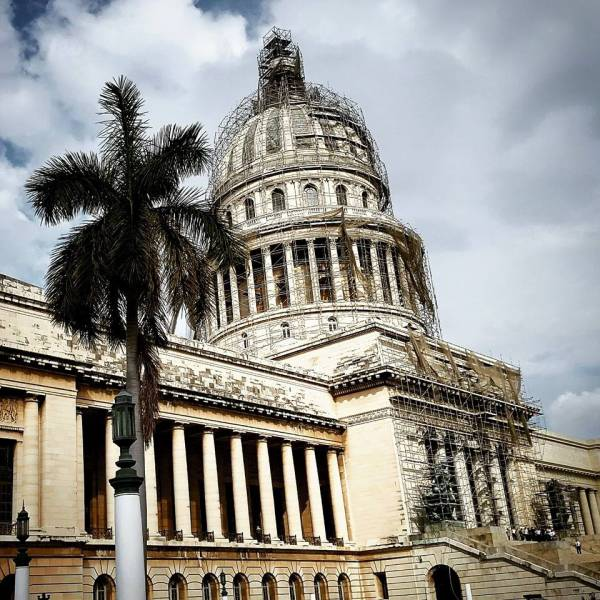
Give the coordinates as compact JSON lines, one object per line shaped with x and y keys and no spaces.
{"x":486,"y":114}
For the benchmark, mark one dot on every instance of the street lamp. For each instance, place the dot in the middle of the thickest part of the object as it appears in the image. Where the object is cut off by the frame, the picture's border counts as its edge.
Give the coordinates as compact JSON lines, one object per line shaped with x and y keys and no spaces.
{"x":22,"y":559}
{"x":129,"y":539}
{"x":223,"y":582}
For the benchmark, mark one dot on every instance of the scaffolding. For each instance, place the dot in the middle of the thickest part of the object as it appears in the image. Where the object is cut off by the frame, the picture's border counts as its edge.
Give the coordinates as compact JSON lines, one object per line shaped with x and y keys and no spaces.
{"x":464,"y":437}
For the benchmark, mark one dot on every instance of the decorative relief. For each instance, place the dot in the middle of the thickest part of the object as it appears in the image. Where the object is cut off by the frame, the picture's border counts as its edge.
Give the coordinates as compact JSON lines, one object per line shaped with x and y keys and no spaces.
{"x":9,"y":411}
{"x":366,"y":417}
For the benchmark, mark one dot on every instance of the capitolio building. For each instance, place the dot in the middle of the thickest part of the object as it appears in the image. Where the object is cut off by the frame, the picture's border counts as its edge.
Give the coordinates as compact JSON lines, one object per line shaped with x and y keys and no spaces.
{"x":318,"y":440}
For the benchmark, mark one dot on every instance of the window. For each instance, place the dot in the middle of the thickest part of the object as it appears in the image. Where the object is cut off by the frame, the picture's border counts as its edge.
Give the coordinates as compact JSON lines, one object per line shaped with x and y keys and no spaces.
{"x":344,"y":590}
{"x":269,"y":587}
{"x":321,"y":592}
{"x":446,"y":583}
{"x":229,"y":218}
{"x":285,"y":330}
{"x":241,"y":589}
{"x":332,"y":323}
{"x":210,"y":587}
{"x":278,"y":200}
{"x":104,"y":588}
{"x":249,"y":207}
{"x":177,"y":588}
{"x":340,"y":195}
{"x":6,"y":484}
{"x":381,"y":586}
{"x":365,"y":199}
{"x":296,"y":588}
{"x":248,"y":153}
{"x":311,"y":196}
{"x":245,"y":342}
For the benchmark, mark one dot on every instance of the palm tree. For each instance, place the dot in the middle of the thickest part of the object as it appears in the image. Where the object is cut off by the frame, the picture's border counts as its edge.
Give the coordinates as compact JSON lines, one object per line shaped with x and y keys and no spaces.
{"x":147,"y":249}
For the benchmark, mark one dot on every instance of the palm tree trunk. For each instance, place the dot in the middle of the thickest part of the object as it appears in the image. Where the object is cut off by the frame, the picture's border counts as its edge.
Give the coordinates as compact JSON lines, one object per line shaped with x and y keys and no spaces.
{"x":133,"y":387}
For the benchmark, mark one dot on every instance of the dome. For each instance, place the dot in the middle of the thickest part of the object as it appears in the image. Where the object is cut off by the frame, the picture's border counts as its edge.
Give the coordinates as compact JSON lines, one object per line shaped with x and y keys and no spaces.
{"x":298,"y":174}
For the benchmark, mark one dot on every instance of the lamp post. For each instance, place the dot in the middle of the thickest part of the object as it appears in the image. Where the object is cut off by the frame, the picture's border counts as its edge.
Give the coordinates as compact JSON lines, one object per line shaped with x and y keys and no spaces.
{"x":22,"y":559}
{"x":223,"y":582}
{"x":129,"y":539}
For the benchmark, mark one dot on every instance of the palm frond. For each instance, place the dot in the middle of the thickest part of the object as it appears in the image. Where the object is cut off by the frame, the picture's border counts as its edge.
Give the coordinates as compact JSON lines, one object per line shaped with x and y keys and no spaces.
{"x":149,"y":363}
{"x":175,"y":153}
{"x":67,"y":185}
{"x":201,"y":221}
{"x":77,"y":283}
{"x":123,"y":137}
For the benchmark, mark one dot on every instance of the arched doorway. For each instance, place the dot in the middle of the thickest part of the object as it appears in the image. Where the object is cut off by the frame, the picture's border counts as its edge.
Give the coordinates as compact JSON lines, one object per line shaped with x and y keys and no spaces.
{"x":104,"y":588}
{"x":446,"y":583}
{"x":7,"y":587}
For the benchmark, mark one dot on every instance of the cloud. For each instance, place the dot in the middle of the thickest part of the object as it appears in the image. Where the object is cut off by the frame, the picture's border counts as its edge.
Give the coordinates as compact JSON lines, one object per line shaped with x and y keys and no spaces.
{"x":577,"y":413}
{"x":486,"y":114}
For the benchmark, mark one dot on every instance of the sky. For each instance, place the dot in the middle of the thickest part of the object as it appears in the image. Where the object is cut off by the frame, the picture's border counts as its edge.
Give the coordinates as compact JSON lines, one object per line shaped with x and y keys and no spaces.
{"x":487,"y":115}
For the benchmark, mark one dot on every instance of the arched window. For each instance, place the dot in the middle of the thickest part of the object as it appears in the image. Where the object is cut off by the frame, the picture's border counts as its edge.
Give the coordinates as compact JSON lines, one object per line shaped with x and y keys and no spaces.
{"x":245,"y":342}
{"x":340,"y":195}
{"x":321,"y":592}
{"x":296,"y":587}
{"x":229,"y":217}
{"x":344,"y":590}
{"x":285,"y":330}
{"x":249,"y":207}
{"x":365,"y":199}
{"x":104,"y":588}
{"x":7,"y":587}
{"x":445,"y":582}
{"x":241,"y":589}
{"x":278,"y":200}
{"x":210,"y":587}
{"x":177,"y":587}
{"x":381,"y":585}
{"x":269,"y":587}
{"x":332,"y":324}
{"x":149,"y":588}
{"x":311,"y":196}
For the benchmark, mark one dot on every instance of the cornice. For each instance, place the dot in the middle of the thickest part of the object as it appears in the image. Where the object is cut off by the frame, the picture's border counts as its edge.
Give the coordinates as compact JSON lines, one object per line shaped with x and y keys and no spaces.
{"x":546,"y":466}
{"x":86,"y":373}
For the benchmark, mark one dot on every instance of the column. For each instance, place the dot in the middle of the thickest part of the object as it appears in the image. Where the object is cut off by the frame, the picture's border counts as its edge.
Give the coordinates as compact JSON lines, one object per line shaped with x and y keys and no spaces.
{"x":240,"y":492}
{"x":80,"y":489}
{"x":376,"y":272}
{"x":358,"y":274}
{"x":464,"y":489}
{"x":235,"y":298}
{"x":181,"y":490}
{"x":151,"y":490}
{"x":289,"y":269}
{"x":269,"y":276}
{"x":484,"y":493}
{"x":31,"y":441}
{"x":392,"y":276}
{"x":251,"y":289}
{"x":498,"y":492}
{"x":314,"y":275}
{"x":221,"y":299}
{"x":314,"y":494}
{"x":111,"y":457}
{"x":212,"y":502}
{"x":292,"y":506}
{"x":585,"y":512}
{"x":335,"y":270}
{"x":265,"y":484}
{"x":595,"y":513}
{"x":337,"y":496}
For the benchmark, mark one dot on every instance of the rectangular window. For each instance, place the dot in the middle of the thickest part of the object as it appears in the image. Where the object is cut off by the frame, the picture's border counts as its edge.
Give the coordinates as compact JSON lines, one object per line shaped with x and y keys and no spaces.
{"x":302,"y":272}
{"x":383,"y":272}
{"x":260,"y":283}
{"x":242,"y":285}
{"x":228,"y":300}
{"x":324,"y":269}
{"x":279,"y":276}
{"x":6,"y":482}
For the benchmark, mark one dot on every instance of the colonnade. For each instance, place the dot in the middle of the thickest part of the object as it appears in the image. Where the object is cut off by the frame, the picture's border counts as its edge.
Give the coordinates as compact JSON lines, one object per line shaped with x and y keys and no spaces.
{"x":590,"y":513}
{"x":380,"y":264}
{"x":211,"y":502}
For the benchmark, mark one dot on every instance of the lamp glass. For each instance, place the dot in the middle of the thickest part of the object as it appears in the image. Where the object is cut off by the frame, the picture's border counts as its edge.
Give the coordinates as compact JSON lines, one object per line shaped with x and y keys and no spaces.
{"x":23,"y":525}
{"x":123,"y":419}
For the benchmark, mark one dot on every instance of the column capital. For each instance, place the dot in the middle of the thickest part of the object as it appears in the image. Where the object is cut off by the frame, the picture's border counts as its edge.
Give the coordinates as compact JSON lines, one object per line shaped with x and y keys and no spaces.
{"x":33,"y":397}
{"x":236,"y":434}
{"x":80,"y":409}
{"x":334,"y":450}
{"x":286,"y":442}
{"x":179,"y":425}
{"x":209,"y":429}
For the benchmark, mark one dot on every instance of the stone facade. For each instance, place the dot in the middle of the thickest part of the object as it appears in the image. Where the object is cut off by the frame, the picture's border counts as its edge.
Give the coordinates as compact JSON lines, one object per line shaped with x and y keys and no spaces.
{"x":353,"y":454}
